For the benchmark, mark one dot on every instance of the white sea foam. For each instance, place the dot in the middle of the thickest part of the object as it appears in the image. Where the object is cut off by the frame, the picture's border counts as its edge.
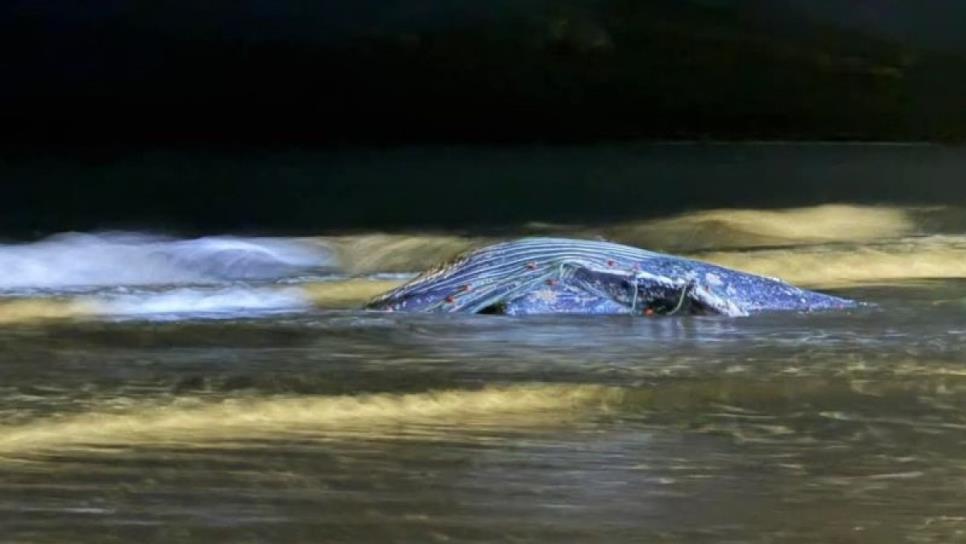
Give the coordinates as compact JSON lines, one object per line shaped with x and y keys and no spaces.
{"x":169,"y":304}
{"x":218,"y":302}
{"x":96,"y":260}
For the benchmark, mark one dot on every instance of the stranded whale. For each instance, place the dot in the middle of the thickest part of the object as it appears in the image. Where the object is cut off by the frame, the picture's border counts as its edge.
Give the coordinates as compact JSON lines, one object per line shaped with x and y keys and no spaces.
{"x":558,"y":275}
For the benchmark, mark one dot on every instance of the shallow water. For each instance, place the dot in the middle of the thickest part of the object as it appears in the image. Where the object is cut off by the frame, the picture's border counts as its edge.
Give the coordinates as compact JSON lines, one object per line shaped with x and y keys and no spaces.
{"x":240,"y":396}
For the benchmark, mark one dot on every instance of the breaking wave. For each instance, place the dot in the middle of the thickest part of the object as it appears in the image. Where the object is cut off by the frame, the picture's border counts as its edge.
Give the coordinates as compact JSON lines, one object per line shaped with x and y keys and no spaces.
{"x":172,"y":304}
{"x":227,"y":302}
{"x":196,"y":302}
{"x":94,"y":260}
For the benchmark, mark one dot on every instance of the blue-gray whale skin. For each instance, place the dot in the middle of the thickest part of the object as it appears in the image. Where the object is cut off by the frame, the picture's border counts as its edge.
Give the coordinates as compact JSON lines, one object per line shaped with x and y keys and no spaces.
{"x":558,"y":275}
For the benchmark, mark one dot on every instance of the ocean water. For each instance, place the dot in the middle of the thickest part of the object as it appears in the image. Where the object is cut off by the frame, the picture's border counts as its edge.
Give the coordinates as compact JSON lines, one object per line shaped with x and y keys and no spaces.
{"x":228,"y":388}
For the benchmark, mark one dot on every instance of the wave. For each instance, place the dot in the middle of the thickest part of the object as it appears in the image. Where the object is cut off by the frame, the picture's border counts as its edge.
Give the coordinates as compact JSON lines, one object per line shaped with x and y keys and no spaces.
{"x":171,"y":304}
{"x":826,"y":265}
{"x":141,"y":275}
{"x":688,"y":233}
{"x":93,"y":260}
{"x":197,"y":302}
{"x":375,"y":253}
{"x":218,"y":302}
{"x":114,"y":424}
{"x":190,"y":422}
{"x":930,"y":257}
{"x":835,"y":245}
{"x":743,"y":228}
{"x":347,"y":293}
{"x":31,"y":310}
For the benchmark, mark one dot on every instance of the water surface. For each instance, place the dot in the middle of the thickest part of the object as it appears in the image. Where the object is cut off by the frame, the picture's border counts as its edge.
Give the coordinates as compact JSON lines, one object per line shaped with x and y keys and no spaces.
{"x":228,"y":389}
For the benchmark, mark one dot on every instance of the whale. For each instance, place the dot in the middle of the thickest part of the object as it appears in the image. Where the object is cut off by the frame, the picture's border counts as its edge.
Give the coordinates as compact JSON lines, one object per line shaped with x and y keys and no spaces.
{"x":533,"y":276}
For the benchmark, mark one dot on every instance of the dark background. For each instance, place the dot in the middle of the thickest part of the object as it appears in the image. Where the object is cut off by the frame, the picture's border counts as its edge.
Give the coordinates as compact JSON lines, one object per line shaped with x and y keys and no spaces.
{"x":225,"y":114}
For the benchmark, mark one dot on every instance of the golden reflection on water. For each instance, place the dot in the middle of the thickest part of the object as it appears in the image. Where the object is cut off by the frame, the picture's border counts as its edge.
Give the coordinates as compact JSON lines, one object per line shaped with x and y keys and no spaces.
{"x":747,"y":228}
{"x":30,"y":310}
{"x":347,"y":293}
{"x":735,"y":405}
{"x":922,"y":258}
{"x":189,"y":422}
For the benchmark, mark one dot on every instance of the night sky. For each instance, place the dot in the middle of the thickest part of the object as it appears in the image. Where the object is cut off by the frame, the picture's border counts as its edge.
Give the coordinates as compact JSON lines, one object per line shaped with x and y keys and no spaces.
{"x":286,"y":71}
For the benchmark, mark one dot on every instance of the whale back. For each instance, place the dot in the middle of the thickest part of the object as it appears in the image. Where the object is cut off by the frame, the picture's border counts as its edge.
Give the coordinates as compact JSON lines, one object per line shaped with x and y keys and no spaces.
{"x":559,"y":275}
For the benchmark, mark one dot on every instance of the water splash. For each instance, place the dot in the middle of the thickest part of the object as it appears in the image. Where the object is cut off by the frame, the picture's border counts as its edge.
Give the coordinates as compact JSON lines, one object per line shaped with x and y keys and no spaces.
{"x":216,"y":302}
{"x":93,"y":260}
